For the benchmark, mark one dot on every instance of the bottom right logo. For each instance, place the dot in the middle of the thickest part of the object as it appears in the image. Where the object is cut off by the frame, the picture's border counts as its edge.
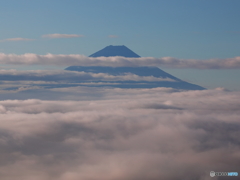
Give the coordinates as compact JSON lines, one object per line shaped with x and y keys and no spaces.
{"x":212,"y":173}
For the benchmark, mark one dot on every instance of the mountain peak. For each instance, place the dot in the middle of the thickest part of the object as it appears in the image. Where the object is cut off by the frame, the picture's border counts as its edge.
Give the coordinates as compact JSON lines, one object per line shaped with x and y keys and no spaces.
{"x":119,"y":50}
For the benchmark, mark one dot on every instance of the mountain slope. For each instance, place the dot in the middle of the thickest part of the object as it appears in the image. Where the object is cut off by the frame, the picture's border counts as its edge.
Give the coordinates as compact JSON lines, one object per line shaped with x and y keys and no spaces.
{"x":167,"y":79}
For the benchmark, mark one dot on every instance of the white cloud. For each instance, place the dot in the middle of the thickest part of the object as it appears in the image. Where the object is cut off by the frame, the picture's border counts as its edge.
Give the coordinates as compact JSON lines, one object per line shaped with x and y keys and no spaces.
{"x":52,"y":36}
{"x":81,"y":60}
{"x":133,"y":134}
{"x":17,"y":39}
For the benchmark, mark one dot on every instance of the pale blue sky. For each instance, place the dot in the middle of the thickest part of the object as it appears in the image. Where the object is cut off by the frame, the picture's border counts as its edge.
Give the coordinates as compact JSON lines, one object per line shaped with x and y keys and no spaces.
{"x":198,"y":29}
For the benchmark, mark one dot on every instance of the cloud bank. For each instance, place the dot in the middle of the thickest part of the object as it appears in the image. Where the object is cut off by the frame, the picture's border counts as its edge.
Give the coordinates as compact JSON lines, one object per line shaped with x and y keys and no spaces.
{"x":70,"y":76}
{"x":53,"y":36}
{"x":81,"y":60}
{"x":133,"y":134}
{"x":17,"y":39}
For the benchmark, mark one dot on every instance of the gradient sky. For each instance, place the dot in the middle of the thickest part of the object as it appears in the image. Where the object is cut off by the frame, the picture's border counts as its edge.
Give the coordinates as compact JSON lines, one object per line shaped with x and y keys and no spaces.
{"x":183,"y":29}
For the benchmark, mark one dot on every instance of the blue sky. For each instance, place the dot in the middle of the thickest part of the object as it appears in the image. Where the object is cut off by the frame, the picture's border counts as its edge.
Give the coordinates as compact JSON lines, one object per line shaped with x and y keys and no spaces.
{"x":157,"y":28}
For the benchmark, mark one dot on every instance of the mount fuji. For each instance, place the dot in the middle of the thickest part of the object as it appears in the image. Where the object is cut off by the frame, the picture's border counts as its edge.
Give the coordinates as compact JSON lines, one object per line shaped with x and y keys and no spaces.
{"x":151,"y":72}
{"x":115,"y":51}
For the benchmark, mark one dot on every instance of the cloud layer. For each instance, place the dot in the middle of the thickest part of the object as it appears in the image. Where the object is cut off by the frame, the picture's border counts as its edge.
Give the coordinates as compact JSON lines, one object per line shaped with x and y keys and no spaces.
{"x":81,"y":60}
{"x":133,"y":134}
{"x":53,"y":36}
{"x":71,"y":76}
{"x":17,"y":39}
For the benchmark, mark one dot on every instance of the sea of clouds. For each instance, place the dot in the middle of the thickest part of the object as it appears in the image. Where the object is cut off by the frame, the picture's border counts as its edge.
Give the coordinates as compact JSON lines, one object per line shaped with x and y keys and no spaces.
{"x":89,"y":133}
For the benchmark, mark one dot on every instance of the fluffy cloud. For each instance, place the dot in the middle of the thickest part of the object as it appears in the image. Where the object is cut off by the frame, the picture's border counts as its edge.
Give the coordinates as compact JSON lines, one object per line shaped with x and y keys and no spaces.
{"x":17,"y":39}
{"x":52,"y":36}
{"x":81,"y":60}
{"x":133,"y":134}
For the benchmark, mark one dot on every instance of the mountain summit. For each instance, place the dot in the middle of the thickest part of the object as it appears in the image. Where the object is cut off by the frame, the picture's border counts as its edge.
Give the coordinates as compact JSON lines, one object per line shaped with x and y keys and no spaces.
{"x":115,"y":51}
{"x":141,"y":74}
